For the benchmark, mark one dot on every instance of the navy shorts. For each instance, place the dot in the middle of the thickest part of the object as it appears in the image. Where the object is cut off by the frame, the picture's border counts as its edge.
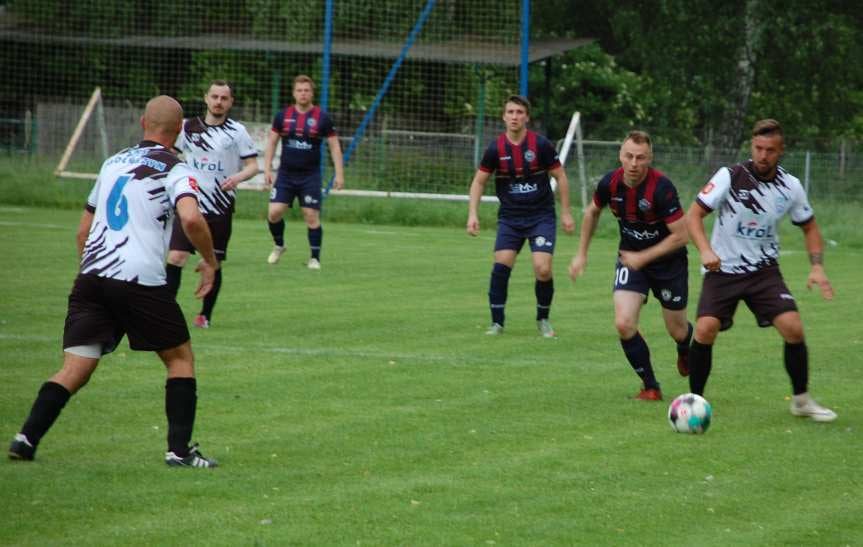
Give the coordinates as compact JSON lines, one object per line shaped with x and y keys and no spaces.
{"x":102,"y":310}
{"x":764,"y":292}
{"x":540,"y":232}
{"x":220,"y":230}
{"x":669,"y":282}
{"x":305,"y":188}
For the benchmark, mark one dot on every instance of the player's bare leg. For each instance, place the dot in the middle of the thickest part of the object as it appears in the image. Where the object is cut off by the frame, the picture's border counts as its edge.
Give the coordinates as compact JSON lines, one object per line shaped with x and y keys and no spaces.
{"x":180,"y":404}
{"x":52,"y":397}
{"x":315,"y":235}
{"x":275,"y":220}
{"x":544,"y":289}
{"x":627,"y":309}
{"x":796,"y":358}
{"x":681,"y":331}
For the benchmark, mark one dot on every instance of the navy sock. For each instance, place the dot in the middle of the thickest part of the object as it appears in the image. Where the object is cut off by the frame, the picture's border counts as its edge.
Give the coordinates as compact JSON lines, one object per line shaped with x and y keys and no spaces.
{"x":49,"y":402}
{"x":683,"y":347}
{"x":638,"y":355}
{"x":210,"y":299}
{"x":174,"y":275}
{"x":316,"y":237}
{"x":797,"y":365}
{"x":277,"y":229}
{"x":544,"y":293}
{"x":700,"y":363}
{"x":180,"y":401}
{"x":497,"y":291}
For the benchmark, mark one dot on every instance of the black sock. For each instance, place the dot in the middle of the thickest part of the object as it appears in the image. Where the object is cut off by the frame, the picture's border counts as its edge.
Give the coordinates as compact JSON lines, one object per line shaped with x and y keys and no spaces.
{"x":49,"y":402}
{"x":180,"y":402}
{"x":700,"y":363}
{"x":683,"y":347}
{"x":544,"y":293}
{"x":497,"y":291}
{"x":174,"y":275}
{"x":316,"y":237}
{"x":210,"y":298}
{"x":797,"y":365}
{"x":638,"y":355}
{"x":277,"y":229}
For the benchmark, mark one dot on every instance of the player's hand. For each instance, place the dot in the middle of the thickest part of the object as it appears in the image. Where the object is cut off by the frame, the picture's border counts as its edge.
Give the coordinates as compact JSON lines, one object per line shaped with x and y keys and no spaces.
{"x":473,"y":225}
{"x":577,"y":266}
{"x":229,"y":183}
{"x":818,"y":277}
{"x":710,"y":260}
{"x":339,"y":182}
{"x":632,"y":259}
{"x":208,"y":275}
{"x":268,"y":177}
{"x":567,"y":221}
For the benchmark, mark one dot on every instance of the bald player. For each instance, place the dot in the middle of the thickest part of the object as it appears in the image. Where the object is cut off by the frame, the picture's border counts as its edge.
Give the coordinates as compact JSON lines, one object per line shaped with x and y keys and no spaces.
{"x":120,"y":288}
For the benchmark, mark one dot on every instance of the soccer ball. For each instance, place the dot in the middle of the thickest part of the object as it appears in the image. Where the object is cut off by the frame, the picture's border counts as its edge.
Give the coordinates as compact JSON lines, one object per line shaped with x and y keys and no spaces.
{"x":689,"y":413}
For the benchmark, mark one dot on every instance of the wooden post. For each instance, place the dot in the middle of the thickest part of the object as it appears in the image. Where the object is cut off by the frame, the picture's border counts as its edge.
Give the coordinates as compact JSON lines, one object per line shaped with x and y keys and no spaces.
{"x":76,"y":135}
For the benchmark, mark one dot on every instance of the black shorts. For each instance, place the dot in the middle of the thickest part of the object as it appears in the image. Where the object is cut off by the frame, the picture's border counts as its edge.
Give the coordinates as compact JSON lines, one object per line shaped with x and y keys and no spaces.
{"x":669,"y":282}
{"x":102,"y":310}
{"x":220,"y":230}
{"x":764,"y":292}
{"x":306,"y":189}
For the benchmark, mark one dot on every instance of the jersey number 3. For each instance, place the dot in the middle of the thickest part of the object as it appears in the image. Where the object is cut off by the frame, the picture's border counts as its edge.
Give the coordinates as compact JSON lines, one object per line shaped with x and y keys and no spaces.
{"x":118,"y":205}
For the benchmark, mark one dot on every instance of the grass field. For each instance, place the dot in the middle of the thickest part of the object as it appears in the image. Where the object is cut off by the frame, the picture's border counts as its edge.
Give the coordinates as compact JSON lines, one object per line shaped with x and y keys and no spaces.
{"x":362,"y":405}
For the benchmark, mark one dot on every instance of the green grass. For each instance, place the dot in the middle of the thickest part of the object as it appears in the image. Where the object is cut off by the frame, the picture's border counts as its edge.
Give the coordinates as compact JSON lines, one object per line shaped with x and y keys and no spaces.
{"x":363,"y":405}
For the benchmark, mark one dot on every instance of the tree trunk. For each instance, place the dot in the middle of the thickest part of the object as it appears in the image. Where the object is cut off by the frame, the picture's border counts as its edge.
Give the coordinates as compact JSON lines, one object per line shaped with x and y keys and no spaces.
{"x":730,"y":134}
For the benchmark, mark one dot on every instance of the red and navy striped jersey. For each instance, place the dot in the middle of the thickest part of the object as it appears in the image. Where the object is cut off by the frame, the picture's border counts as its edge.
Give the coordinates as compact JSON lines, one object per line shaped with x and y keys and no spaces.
{"x":521,"y":174}
{"x":642,"y":212}
{"x":302,"y":133}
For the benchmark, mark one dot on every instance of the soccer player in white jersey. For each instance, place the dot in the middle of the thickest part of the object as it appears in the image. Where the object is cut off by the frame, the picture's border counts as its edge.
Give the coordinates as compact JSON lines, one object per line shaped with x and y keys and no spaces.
{"x":223,"y":153}
{"x":741,"y":260}
{"x":120,"y":289}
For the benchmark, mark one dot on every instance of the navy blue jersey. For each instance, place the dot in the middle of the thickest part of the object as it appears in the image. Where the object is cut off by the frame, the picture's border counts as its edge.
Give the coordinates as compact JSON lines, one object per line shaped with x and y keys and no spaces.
{"x":521,"y":174}
{"x":644,"y":212}
{"x":302,"y":133}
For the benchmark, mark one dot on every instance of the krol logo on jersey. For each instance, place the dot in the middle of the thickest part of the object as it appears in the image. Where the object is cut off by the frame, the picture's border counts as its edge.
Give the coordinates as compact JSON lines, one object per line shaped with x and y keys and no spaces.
{"x":204,"y":164}
{"x":754,"y":230}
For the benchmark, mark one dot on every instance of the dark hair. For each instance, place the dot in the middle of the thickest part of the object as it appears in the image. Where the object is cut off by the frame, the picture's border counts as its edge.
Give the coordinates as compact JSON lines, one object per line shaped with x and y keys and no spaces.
{"x":767,"y":128}
{"x":520,"y":100}
{"x":224,"y":83}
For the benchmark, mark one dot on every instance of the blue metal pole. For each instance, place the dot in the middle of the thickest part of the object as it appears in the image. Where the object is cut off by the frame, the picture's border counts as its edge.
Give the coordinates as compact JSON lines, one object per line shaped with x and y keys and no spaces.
{"x":325,"y":77}
{"x":418,"y":26}
{"x":525,"y":45}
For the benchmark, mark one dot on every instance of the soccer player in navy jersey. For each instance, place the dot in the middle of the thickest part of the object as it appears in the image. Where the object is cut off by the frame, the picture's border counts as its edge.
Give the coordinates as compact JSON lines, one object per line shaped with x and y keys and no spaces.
{"x":741,"y":260}
{"x":522,"y":162}
{"x":302,"y":128}
{"x":651,"y":256}
{"x":120,"y":289}
{"x":222,"y":152}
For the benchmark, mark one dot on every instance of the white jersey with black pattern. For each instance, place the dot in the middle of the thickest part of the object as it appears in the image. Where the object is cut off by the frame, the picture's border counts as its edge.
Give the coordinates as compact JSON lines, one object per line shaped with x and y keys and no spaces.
{"x":133,"y":204}
{"x":745,"y":233}
{"x":216,"y":152}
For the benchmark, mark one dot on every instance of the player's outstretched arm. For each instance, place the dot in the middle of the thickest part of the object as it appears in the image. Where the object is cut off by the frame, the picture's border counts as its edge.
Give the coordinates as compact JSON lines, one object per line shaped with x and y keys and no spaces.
{"x":566,"y":219}
{"x":338,"y":161}
{"x":588,"y":227}
{"x":249,"y":170}
{"x":83,"y":230}
{"x":199,"y":234}
{"x":815,"y":248}
{"x":695,"y":226}
{"x":477,"y":186}
{"x":269,"y":153}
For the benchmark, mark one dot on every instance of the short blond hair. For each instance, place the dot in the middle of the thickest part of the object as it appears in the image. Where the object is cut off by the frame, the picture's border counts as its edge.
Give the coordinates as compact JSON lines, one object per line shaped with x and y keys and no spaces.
{"x":303,"y":79}
{"x":640,"y":137}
